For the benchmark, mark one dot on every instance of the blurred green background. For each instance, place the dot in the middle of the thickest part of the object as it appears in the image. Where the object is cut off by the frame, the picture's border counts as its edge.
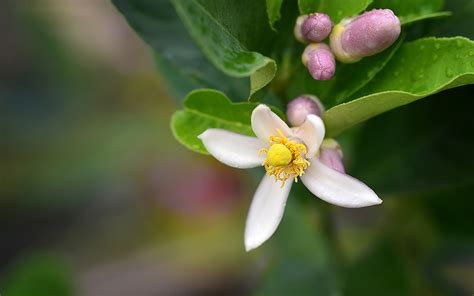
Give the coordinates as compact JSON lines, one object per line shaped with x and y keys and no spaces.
{"x":97,"y":198}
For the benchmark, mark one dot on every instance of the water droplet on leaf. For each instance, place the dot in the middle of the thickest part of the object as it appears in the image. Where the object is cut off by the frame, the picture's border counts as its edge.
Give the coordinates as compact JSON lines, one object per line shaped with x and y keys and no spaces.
{"x":449,"y":73}
{"x":417,"y":75}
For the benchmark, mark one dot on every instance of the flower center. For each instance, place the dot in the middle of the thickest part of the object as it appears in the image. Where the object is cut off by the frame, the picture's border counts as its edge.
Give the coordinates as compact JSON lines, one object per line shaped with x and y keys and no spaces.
{"x":279,"y":155}
{"x":285,"y":158}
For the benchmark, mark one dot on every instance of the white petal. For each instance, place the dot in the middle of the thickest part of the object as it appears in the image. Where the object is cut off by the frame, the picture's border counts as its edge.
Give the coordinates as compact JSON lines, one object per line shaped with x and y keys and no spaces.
{"x":266,"y":211}
{"x":265,"y":123}
{"x":311,"y":132}
{"x":337,"y":188}
{"x":233,"y":149}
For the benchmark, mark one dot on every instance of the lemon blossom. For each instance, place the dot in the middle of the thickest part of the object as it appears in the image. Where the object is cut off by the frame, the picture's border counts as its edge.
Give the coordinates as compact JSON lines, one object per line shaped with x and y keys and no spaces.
{"x":287,"y":154}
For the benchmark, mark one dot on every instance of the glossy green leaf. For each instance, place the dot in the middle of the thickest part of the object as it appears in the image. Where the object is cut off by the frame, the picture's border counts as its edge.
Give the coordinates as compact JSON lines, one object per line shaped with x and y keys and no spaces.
{"x":408,"y":19}
{"x":207,"y":108}
{"x":419,"y":69}
{"x":336,"y":9}
{"x":413,"y":10}
{"x":224,"y":40}
{"x":273,"y":11}
{"x":403,"y":7}
{"x":179,"y":59}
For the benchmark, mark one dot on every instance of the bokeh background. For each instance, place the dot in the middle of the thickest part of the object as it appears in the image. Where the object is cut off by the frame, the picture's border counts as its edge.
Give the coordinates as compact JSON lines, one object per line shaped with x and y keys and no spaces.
{"x":97,"y":198}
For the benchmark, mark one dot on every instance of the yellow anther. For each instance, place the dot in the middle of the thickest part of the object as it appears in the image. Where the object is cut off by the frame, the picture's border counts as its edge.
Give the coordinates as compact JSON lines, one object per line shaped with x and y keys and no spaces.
{"x":279,"y":155}
{"x":285,"y":158}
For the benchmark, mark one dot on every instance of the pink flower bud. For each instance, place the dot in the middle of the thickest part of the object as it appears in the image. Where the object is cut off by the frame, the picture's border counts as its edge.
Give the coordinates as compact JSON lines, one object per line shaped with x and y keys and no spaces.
{"x":319,"y":60}
{"x":364,"y":35}
{"x":297,"y":30}
{"x":300,"y":107}
{"x":331,"y":155}
{"x":316,"y":27}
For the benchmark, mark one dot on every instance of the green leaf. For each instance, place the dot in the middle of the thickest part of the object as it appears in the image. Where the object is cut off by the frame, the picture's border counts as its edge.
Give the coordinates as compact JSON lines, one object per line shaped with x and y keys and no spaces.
{"x":419,"y":69}
{"x":413,"y":10}
{"x":408,"y":19}
{"x":223,"y":39}
{"x":178,"y":58}
{"x":336,"y":9}
{"x":208,"y":108}
{"x":273,"y":11}
{"x":261,"y":78}
{"x":403,"y":7}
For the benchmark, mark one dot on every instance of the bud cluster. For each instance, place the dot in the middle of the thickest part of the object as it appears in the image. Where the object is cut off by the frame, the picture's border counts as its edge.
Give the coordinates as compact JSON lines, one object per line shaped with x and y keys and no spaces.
{"x":350,"y":40}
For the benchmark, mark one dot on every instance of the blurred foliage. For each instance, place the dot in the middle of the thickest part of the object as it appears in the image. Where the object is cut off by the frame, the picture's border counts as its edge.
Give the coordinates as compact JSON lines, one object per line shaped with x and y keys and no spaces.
{"x":39,"y":275}
{"x":425,"y":146}
{"x":301,"y":259}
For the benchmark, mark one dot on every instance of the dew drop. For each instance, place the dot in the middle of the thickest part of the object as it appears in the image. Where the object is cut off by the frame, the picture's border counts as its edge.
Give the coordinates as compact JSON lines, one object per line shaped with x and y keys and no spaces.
{"x":339,"y":12}
{"x":437,"y":46}
{"x":459,"y":43}
{"x":422,"y":47}
{"x":435,"y":57}
{"x":417,"y":75}
{"x":449,"y":73}
{"x":471,"y":53}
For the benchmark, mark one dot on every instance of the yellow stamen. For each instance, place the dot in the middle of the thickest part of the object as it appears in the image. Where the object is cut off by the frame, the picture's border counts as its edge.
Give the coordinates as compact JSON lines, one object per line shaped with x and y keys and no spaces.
{"x":279,"y":155}
{"x":285,"y":158}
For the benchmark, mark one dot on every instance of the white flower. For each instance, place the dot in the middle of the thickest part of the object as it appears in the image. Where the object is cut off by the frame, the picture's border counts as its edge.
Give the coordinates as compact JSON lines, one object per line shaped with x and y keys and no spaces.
{"x":287,"y":154}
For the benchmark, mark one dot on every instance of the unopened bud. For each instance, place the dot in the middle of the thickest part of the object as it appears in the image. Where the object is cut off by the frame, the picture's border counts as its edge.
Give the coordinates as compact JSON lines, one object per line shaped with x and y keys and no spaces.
{"x":302,"y":106}
{"x":364,"y":35}
{"x":316,"y":27}
{"x":312,"y":28}
{"x":330,"y":155}
{"x":297,"y":30}
{"x":319,"y":60}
